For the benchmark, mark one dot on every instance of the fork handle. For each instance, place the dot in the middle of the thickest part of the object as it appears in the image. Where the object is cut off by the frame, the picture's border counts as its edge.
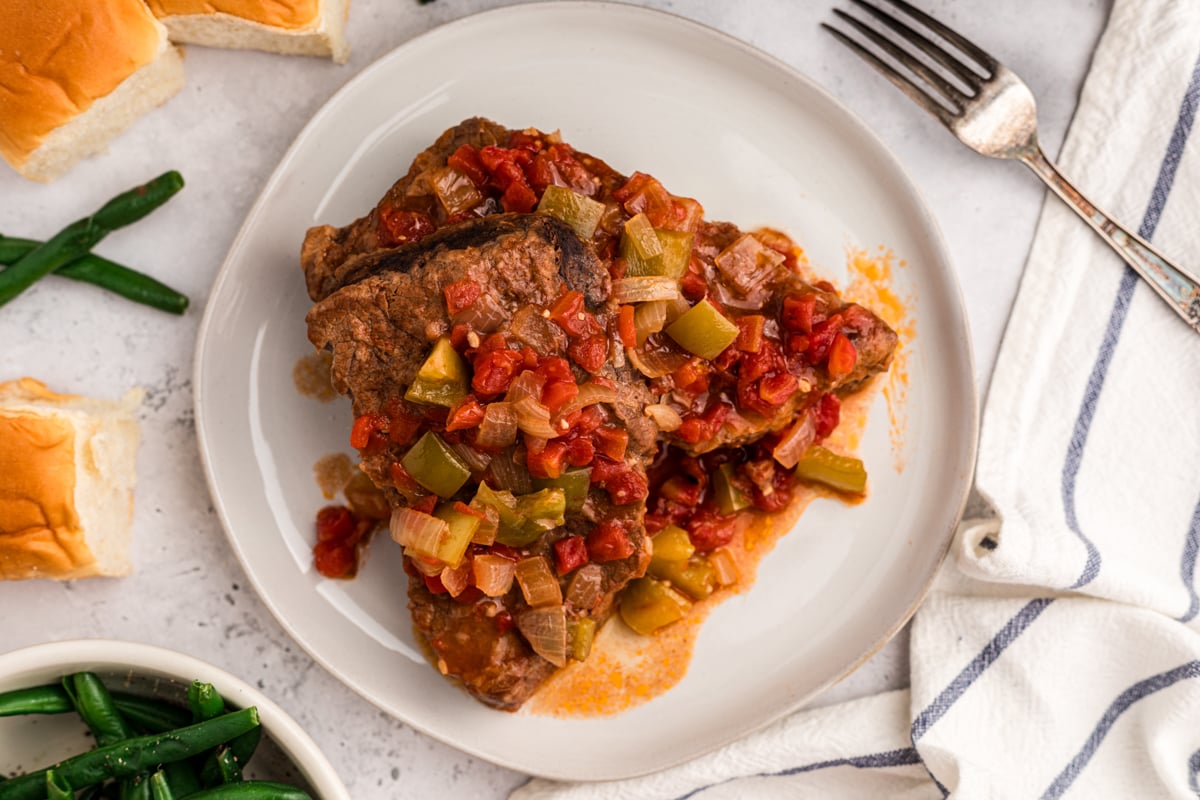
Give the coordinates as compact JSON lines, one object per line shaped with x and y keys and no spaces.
{"x":1179,"y":289}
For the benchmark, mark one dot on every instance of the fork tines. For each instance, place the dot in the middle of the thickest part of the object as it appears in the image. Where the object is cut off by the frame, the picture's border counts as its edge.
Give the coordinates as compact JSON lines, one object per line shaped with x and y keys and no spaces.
{"x":963,"y":71}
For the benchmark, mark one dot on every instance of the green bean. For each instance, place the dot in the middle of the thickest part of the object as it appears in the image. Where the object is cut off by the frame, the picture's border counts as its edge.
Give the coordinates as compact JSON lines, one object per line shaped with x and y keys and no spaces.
{"x":57,"y":788}
{"x":221,"y":767}
{"x":81,"y":236}
{"x":160,"y":786}
{"x":92,"y":792}
{"x":135,"y":755}
{"x":95,"y":707}
{"x":150,"y":715}
{"x":252,"y":790}
{"x":35,"y":700}
{"x":99,"y":271}
{"x":205,"y":701}
{"x":136,"y":787}
{"x":243,"y":746}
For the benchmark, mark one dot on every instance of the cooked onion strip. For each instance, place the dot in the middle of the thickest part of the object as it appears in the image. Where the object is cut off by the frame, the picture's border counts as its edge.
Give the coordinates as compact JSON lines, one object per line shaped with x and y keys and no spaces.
{"x":546,"y":631}
{"x":534,"y":418}
{"x":418,"y":532}
{"x":645,"y":289}
{"x":499,"y":426}
{"x":484,"y":315}
{"x":493,"y":574}
{"x":796,"y":441}
{"x":584,"y":591}
{"x":589,"y":395}
{"x":538,"y":583}
{"x":666,"y":418}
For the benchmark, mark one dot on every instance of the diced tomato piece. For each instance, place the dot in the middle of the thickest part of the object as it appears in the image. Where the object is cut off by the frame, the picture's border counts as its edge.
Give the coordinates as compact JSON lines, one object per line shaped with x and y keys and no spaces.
{"x":397,"y":226}
{"x":681,"y":489}
{"x":828,"y":414}
{"x":461,"y":294}
{"x":364,"y":427}
{"x":797,"y":343}
{"x":656,"y":522}
{"x":495,"y":370}
{"x":557,"y":165}
{"x":611,"y":442}
{"x":493,"y":341}
{"x":693,"y":286}
{"x":643,"y":194}
{"x":825,"y":286}
{"x":590,"y":353}
{"x":842,"y":357}
{"x":750,"y":333}
{"x":609,"y":541}
{"x":580,"y":451}
{"x":625,"y":327}
{"x":590,"y":419}
{"x":692,"y":377}
{"x":426,"y":504}
{"x":334,"y":524}
{"x":466,"y":160}
{"x":558,"y":393}
{"x":504,"y":622}
{"x":622,"y":483}
{"x":402,"y":480}
{"x":709,"y":529}
{"x":694,"y":429}
{"x":553,"y":368}
{"x":335,"y":560}
{"x":570,"y":553}
{"x":797,"y":312}
{"x":518,"y":198}
{"x":547,"y":463}
{"x":511,"y":553}
{"x":776,"y":389}
{"x":467,"y":414}
{"x":434,"y":584}
{"x":403,"y":422}
{"x":822,"y":337}
{"x":569,"y":312}
{"x":460,"y":337}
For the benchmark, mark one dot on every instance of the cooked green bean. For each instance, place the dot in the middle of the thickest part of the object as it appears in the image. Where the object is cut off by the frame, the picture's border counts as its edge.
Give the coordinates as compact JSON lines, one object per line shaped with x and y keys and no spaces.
{"x":135,"y":755}
{"x":252,"y":790}
{"x":35,"y":700}
{"x":81,"y":236}
{"x":150,"y":715}
{"x":160,"y":786}
{"x":57,"y":788}
{"x":95,"y":707}
{"x":99,"y":271}
{"x":221,"y":767}
{"x":136,"y":787}
{"x":205,"y":701}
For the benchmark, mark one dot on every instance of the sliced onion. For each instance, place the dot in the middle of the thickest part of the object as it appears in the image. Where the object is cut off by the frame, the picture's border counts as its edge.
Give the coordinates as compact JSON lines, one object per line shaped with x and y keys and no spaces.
{"x":584,"y":591}
{"x":796,"y":441}
{"x":644,"y":289}
{"x":747,"y":263}
{"x":425,"y":566}
{"x":657,"y":362}
{"x":538,"y":583}
{"x":509,"y":473}
{"x":485,"y":315}
{"x":527,"y":384}
{"x":418,"y":532}
{"x":666,"y":418}
{"x":499,"y":426}
{"x":534,"y":418}
{"x":493,"y":574}
{"x":457,"y":579}
{"x":485,"y":534}
{"x":724,"y":564}
{"x":456,"y":192}
{"x":589,"y":395}
{"x":649,"y":318}
{"x":546,"y":631}
{"x":677,"y":308}
{"x":365,"y":498}
{"x":531,"y":328}
{"x":476,"y":461}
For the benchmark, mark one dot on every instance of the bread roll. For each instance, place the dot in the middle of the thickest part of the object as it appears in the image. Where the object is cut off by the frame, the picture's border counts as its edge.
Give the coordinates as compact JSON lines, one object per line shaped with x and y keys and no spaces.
{"x":67,"y":471}
{"x":74,"y":74}
{"x":298,"y":27}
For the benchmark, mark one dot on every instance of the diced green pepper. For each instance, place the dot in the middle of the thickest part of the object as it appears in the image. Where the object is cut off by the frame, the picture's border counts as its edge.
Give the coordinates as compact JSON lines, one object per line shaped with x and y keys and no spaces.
{"x":648,"y":604}
{"x":573,"y":482}
{"x":452,"y":547}
{"x":641,"y":248}
{"x":843,"y":473}
{"x":729,"y":498}
{"x":442,"y":379}
{"x":435,"y":466}
{"x":580,"y":635}
{"x":523,"y":519}
{"x":672,"y":544}
{"x":695,"y":578}
{"x":581,"y":213}
{"x":676,"y":252}
{"x":703,"y":330}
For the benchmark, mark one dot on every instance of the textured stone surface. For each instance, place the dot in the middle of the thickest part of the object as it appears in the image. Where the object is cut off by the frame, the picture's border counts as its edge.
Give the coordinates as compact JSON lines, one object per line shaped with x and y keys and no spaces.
{"x":226,"y":132}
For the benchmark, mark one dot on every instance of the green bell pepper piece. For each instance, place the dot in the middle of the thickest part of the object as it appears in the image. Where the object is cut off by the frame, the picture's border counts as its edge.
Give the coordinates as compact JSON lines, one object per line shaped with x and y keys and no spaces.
{"x":703,"y":330}
{"x":641,"y":248}
{"x":581,"y":213}
{"x":672,"y":544}
{"x":442,"y":379}
{"x":730,"y":499}
{"x":843,"y":473}
{"x":574,"y":483}
{"x":676,"y":252}
{"x":648,"y":604}
{"x":435,"y":466}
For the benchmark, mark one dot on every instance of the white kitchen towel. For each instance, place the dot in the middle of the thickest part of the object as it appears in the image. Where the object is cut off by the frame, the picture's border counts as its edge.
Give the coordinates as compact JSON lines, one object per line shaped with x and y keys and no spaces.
{"x":1059,"y":654}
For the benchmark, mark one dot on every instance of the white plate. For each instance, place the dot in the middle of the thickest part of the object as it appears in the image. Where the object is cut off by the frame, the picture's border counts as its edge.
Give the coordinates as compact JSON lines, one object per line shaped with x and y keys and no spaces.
{"x":286,"y":754}
{"x":713,"y":119}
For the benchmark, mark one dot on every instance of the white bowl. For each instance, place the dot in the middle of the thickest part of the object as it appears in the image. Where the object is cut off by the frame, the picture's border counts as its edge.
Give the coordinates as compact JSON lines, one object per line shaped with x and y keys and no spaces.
{"x":286,"y":753}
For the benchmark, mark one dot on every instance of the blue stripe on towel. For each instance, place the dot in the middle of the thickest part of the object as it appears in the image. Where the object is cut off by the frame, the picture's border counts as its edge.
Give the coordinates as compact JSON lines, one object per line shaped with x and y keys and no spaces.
{"x":889,"y":758}
{"x":1116,"y":320}
{"x":1011,"y":630}
{"x":1139,"y":690}
{"x":1187,"y":567}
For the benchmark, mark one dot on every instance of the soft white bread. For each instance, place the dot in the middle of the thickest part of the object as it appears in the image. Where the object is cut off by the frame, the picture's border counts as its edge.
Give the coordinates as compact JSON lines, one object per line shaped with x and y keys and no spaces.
{"x":296,"y":27}
{"x":67,"y":472}
{"x":74,"y":74}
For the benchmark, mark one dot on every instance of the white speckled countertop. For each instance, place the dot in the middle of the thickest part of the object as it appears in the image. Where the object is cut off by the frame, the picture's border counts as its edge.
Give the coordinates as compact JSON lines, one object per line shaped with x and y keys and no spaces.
{"x":225,"y":133}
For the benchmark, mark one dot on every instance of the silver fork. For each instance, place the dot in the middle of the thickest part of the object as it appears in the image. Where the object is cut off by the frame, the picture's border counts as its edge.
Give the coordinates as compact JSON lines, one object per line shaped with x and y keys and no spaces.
{"x":997,"y":116}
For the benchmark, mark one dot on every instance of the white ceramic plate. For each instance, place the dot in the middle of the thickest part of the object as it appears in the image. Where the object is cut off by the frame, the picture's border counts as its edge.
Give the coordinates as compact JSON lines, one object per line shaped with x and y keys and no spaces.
{"x":713,"y":119}
{"x":286,"y":753}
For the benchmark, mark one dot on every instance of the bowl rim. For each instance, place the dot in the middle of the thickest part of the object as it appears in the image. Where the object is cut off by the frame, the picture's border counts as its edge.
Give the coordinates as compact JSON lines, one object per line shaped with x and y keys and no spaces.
{"x":73,"y":655}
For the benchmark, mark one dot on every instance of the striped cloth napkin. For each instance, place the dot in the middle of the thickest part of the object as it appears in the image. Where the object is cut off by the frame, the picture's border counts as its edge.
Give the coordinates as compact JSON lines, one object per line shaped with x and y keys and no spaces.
{"x":1059,"y":654}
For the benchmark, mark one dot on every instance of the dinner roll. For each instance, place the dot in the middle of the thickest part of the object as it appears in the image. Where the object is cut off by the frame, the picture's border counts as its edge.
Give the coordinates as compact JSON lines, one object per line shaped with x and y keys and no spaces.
{"x":298,"y":27}
{"x":67,"y":471}
{"x":74,"y":74}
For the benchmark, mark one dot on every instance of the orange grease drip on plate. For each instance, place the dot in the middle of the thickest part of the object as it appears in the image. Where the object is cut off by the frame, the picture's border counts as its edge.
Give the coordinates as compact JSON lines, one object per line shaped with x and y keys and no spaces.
{"x":624,"y":669}
{"x":311,"y":376}
{"x":332,"y":473}
{"x":872,"y":285}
